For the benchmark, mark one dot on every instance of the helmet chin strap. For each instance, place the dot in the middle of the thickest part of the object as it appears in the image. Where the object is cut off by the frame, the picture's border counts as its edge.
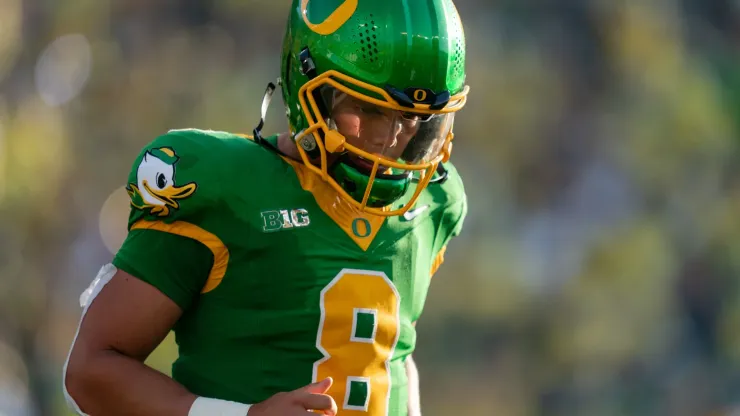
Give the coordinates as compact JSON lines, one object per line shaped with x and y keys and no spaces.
{"x":439,"y":180}
{"x":265,"y":105}
{"x":258,"y":138}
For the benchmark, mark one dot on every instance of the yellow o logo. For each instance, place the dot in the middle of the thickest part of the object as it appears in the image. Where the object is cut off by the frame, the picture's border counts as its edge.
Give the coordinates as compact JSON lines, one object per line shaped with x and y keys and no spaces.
{"x":334,"y":21}
{"x":420,"y":95}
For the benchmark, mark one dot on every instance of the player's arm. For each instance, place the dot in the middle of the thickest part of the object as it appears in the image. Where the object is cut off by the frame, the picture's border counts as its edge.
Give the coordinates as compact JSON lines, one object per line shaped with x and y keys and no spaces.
{"x":154,"y":277}
{"x":158,"y":274}
{"x":106,"y":374}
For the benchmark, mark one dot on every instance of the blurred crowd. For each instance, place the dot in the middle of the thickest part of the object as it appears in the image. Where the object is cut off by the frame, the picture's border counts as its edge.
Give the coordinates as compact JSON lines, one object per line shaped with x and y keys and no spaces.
{"x":597,"y":271}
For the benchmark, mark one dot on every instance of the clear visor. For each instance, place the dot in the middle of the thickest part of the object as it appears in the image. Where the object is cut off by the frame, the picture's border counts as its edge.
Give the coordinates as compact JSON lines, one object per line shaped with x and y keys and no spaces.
{"x":405,"y":137}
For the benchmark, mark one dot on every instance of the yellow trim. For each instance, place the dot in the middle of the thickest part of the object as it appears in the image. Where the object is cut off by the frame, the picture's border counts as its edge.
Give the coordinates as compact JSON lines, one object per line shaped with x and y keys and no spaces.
{"x":336,"y":19}
{"x":420,"y":95}
{"x":166,"y":150}
{"x":310,"y":107}
{"x":354,"y":291}
{"x":170,"y":194}
{"x":438,"y":260}
{"x":342,"y":213}
{"x":456,"y":103}
{"x":186,"y":229}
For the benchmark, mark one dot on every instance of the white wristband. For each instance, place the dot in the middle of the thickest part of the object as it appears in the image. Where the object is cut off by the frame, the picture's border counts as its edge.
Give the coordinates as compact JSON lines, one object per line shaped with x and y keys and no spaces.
{"x":214,"y":407}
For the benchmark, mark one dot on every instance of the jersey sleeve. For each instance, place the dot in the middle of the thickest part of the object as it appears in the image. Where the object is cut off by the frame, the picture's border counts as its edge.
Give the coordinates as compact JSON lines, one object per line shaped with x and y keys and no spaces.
{"x":157,"y":258}
{"x":172,"y":187}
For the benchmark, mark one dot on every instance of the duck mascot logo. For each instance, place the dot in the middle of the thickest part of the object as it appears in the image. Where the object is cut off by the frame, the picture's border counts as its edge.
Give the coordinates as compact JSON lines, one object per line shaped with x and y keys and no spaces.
{"x":156,"y":188}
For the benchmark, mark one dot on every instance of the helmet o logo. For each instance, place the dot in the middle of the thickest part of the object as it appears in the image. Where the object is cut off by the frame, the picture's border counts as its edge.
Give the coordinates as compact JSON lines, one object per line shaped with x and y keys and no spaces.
{"x":420,"y":95}
{"x":335,"y":20}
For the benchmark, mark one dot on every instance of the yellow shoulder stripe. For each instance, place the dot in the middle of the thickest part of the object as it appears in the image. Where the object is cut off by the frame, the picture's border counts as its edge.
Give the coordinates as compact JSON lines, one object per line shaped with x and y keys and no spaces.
{"x":438,"y":260}
{"x":186,"y":229}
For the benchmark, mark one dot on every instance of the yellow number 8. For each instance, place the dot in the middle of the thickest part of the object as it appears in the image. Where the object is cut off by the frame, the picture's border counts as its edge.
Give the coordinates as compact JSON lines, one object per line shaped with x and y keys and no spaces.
{"x":357,"y":335}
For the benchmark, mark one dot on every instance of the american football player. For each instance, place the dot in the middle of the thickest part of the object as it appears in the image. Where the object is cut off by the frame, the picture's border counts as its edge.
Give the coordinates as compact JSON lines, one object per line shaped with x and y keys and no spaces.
{"x":292,"y":268}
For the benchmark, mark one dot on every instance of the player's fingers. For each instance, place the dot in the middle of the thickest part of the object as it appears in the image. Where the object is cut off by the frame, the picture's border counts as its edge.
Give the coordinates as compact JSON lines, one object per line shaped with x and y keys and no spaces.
{"x":330,"y":410}
{"x":317,"y":387}
{"x":333,"y":409}
{"x":317,"y":413}
{"x":322,"y":402}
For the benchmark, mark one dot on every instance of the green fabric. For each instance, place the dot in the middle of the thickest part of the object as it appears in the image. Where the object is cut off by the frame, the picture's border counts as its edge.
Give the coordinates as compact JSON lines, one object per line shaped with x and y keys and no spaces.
{"x":365,"y":325}
{"x":256,"y":333}
{"x":177,"y":266}
{"x":358,"y":393}
{"x":409,"y":46}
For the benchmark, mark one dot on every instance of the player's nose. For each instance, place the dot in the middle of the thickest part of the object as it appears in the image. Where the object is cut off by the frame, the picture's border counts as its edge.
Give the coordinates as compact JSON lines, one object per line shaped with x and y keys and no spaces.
{"x":382,"y":138}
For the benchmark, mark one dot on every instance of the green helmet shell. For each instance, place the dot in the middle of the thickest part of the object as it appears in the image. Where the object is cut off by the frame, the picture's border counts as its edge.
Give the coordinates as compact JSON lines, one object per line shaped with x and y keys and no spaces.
{"x":415,"y":47}
{"x":404,"y":44}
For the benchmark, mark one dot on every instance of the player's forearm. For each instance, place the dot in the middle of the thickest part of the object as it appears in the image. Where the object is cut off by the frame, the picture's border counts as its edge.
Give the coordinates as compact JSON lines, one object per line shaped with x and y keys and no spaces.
{"x":412,"y":374}
{"x":110,"y":384}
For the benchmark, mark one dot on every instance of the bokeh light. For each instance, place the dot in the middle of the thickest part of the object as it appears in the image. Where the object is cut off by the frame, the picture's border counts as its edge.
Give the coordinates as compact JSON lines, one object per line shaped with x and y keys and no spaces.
{"x":11,"y":34}
{"x":114,"y":219}
{"x":63,"y":69}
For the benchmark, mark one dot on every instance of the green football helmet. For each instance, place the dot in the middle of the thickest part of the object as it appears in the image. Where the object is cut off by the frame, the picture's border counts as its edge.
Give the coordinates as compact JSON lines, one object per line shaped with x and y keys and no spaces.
{"x":370,"y":90}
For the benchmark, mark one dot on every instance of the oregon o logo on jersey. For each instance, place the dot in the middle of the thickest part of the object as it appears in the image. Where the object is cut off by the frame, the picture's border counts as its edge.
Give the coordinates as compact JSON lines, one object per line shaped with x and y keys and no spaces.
{"x":156,"y":188}
{"x":361,"y":227}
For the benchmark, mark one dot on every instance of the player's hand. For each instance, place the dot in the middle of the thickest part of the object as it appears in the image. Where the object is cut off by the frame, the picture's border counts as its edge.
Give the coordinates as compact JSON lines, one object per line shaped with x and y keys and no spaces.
{"x":298,"y":402}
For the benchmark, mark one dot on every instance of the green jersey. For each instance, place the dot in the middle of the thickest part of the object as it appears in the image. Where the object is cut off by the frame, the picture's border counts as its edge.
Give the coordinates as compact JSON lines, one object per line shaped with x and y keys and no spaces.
{"x":281,"y":281}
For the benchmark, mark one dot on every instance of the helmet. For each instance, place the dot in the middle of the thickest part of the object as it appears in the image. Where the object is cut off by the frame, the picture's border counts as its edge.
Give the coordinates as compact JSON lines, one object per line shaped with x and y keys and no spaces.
{"x":370,"y":90}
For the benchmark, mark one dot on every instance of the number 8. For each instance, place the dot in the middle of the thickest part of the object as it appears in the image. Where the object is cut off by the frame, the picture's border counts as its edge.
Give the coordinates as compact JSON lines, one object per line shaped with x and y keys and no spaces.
{"x":357,"y":335}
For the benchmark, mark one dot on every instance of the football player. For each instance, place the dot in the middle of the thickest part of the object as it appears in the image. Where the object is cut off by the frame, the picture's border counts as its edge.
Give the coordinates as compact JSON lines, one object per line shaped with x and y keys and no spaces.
{"x":292,"y":268}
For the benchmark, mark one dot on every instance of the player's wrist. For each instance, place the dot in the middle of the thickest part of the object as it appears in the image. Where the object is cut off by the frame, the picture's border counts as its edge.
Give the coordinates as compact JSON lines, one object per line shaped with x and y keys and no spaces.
{"x":204,"y":406}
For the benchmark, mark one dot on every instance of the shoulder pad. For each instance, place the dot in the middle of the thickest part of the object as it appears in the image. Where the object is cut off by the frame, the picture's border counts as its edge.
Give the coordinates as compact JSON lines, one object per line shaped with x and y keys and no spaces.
{"x":452,"y":195}
{"x":451,"y":191}
{"x":175,"y":176}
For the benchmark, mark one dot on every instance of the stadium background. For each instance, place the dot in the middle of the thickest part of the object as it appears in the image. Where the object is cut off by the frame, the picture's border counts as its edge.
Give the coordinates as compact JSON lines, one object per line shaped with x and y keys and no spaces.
{"x":597,"y":272}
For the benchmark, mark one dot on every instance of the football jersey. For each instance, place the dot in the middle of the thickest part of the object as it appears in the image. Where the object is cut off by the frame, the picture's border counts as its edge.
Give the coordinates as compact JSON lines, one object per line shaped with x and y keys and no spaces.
{"x":281,"y":281}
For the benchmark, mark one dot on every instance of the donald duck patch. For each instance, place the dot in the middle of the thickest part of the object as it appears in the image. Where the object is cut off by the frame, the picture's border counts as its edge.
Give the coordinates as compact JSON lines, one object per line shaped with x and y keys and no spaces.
{"x":155,"y":188}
